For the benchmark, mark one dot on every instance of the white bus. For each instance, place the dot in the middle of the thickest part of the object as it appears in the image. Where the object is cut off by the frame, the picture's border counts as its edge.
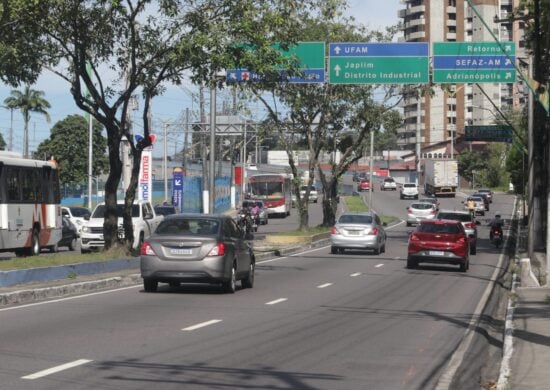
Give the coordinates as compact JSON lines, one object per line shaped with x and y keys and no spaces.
{"x":30,"y":211}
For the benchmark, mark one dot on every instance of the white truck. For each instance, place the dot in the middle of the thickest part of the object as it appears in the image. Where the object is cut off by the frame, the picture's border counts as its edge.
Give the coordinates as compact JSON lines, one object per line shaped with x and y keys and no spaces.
{"x":144,"y":220}
{"x":440,"y":177}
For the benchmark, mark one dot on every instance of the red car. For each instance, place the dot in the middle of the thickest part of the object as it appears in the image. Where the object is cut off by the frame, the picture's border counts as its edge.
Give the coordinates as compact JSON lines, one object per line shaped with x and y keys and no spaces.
{"x":439,"y":241}
{"x":363,"y":185}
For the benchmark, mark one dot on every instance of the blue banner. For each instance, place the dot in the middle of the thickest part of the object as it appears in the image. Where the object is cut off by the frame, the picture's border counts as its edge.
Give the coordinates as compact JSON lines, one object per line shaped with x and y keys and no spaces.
{"x":473,"y":62}
{"x":368,"y":49}
{"x":177,"y":188}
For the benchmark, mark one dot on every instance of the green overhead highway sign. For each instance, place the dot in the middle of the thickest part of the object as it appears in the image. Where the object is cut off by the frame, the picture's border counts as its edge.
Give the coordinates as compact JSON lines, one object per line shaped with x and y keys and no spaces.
{"x":474,"y":62}
{"x":378,"y":63}
{"x":489,"y":133}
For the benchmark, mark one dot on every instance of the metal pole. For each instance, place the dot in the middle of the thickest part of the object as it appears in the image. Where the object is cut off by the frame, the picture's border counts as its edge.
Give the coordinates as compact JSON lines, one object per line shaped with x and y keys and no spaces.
{"x":90,"y":159}
{"x":371,"y":184}
{"x":11,"y":129}
{"x":418,"y":136}
{"x":531,"y":168}
{"x":212,"y":147}
{"x":165,"y":163}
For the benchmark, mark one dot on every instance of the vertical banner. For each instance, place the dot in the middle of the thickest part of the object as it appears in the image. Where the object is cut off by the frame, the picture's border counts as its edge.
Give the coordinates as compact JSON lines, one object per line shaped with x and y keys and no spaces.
{"x":177,"y":188}
{"x":145,"y":183}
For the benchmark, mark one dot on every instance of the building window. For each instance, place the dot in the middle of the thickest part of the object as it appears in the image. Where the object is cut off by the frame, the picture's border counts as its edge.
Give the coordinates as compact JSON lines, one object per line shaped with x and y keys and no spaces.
{"x":452,"y":3}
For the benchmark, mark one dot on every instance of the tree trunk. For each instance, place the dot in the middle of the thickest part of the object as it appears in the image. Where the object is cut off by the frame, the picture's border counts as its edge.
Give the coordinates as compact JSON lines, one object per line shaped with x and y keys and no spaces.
{"x":110,"y":225}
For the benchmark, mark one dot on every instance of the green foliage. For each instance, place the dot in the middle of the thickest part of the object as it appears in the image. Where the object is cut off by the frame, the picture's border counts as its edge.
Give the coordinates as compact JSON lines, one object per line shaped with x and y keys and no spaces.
{"x":355,"y":204}
{"x":68,"y":144}
{"x":485,"y":168}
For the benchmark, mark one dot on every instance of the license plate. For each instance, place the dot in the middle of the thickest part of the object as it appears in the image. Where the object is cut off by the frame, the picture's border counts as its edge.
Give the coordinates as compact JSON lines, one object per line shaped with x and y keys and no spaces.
{"x":354,"y":232}
{"x":178,"y":251}
{"x":437,"y":253}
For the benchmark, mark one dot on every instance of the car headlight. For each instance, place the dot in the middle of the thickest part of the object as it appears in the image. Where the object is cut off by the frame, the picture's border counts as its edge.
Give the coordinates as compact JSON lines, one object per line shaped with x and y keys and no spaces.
{"x":85,"y":229}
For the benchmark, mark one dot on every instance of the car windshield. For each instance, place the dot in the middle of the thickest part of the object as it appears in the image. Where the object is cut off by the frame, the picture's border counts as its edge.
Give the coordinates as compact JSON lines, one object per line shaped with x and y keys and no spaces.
{"x":438,"y":228}
{"x":360,"y":219}
{"x":99,"y":212}
{"x":165,"y":210}
{"x":455,"y":216}
{"x":185,"y":226}
{"x":476,"y":199}
{"x":80,"y":212}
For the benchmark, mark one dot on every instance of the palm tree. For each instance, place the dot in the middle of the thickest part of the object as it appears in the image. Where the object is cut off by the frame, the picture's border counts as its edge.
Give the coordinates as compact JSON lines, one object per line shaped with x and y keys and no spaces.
{"x":28,"y":101}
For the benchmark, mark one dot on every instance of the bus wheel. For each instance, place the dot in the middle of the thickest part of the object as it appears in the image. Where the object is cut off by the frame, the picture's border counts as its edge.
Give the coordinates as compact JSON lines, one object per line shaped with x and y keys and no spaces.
{"x":34,"y":250}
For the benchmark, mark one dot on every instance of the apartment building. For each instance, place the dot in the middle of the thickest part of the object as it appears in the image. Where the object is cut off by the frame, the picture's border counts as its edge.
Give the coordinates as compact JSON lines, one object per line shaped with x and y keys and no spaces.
{"x":453,"y":106}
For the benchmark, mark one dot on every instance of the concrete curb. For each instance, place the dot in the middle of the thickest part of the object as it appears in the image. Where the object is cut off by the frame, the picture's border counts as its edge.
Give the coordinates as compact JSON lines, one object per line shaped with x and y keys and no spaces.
{"x":21,"y":276}
{"x":40,"y":294}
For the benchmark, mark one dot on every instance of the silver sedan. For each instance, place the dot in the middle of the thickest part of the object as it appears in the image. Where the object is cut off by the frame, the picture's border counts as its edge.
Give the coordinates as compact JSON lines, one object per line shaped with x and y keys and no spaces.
{"x":358,"y":231}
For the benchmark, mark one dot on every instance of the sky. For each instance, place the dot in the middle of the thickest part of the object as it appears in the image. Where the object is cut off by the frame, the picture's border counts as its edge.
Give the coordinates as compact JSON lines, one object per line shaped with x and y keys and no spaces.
{"x":170,"y":107}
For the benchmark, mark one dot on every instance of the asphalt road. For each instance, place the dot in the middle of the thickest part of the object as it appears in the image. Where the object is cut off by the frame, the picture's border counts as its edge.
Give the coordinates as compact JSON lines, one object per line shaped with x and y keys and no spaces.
{"x":312,"y":321}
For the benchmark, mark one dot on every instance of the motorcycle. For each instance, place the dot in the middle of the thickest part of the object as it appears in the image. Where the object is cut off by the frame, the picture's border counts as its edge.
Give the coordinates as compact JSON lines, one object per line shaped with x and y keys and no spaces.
{"x":496,"y":236}
{"x":244,"y":220}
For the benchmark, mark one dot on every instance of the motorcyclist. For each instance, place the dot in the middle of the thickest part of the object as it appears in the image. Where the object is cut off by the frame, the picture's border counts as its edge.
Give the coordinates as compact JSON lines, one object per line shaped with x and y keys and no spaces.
{"x":471,"y":205}
{"x":496,"y":225}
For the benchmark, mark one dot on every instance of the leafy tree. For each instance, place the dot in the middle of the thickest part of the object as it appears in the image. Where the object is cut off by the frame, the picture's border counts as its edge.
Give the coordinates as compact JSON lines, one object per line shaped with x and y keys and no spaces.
{"x":2,"y":142}
{"x":324,"y":118}
{"x":68,"y":145}
{"x":470,"y":162}
{"x":144,"y":45}
{"x":28,"y":101}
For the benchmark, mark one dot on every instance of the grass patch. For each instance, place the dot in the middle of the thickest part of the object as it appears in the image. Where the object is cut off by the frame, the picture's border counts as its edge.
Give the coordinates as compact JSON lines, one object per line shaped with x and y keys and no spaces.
{"x":61,"y":259}
{"x":355,"y":204}
{"x":308,"y":232}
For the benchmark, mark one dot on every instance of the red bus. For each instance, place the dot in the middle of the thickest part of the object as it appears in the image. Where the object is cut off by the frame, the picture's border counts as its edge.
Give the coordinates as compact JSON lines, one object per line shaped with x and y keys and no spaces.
{"x":274,"y":190}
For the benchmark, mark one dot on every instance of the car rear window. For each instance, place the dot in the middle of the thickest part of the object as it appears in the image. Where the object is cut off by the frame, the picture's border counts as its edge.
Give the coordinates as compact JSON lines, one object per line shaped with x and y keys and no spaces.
{"x":389,"y":180}
{"x":409,"y":185}
{"x":455,"y":217}
{"x":361,"y":219}
{"x":422,"y":206}
{"x":439,"y":228}
{"x":185,"y":226}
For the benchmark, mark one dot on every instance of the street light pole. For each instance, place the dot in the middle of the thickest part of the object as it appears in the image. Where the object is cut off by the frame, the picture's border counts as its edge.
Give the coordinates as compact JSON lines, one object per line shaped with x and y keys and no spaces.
{"x":371,"y":185}
{"x":90,"y":159}
{"x":212,"y":148}
{"x":165,"y":163}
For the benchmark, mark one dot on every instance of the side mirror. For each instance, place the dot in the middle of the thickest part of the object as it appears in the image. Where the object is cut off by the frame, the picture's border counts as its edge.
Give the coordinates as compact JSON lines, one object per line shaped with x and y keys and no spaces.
{"x":471,"y":235}
{"x":86,"y":217}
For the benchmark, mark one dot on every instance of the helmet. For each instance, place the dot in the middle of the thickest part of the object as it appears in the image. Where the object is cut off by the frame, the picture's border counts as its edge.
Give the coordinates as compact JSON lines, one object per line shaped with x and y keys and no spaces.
{"x":497,"y":215}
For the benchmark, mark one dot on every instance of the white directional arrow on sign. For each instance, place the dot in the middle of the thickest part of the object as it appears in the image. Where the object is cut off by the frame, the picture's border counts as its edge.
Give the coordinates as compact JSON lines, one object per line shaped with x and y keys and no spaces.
{"x":508,"y":75}
{"x":507,"y":62}
{"x":337,"y":50}
{"x":337,"y":70}
{"x":177,"y":182}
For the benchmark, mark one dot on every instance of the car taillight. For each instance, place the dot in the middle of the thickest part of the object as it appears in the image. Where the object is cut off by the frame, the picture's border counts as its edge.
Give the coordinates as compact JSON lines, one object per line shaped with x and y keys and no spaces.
{"x":333,"y":230}
{"x":462,"y":240}
{"x":147,"y":249}
{"x":373,"y":232}
{"x":433,"y":211}
{"x":414,"y":237}
{"x":470,"y":225}
{"x":218,"y":250}
{"x":409,"y":211}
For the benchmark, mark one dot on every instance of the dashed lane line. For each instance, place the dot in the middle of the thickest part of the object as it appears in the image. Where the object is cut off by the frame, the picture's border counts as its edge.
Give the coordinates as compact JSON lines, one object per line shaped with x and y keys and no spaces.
{"x":201,"y":325}
{"x":276,"y":301}
{"x":355,"y":274}
{"x":324,"y":285}
{"x":53,"y":370}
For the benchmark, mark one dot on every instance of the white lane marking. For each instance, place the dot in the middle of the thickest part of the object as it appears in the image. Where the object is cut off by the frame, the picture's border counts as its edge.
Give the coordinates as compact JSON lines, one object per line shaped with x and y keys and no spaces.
{"x":324,"y":285}
{"x":69,"y":298}
{"x":397,"y":258}
{"x":201,"y":325}
{"x":355,"y":274}
{"x":276,"y":301}
{"x":53,"y":370}
{"x":378,"y":265}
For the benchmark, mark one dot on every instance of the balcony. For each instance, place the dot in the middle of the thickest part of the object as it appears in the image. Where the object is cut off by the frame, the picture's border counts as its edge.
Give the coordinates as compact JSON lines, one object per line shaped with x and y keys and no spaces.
{"x":451,"y":9}
{"x":451,"y":23}
{"x":417,"y":35}
{"x":414,"y":23}
{"x":411,"y":11}
{"x":451,"y":36}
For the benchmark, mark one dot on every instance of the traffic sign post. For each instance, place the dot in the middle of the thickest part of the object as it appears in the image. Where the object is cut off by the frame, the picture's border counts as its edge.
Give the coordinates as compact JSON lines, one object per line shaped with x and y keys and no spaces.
{"x":474,"y":62}
{"x":378,"y":63}
{"x":490,"y":133}
{"x":311,"y":58}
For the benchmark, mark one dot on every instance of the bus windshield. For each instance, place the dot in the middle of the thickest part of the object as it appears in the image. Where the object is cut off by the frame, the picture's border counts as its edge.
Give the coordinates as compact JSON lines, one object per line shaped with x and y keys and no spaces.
{"x":266,"y":189}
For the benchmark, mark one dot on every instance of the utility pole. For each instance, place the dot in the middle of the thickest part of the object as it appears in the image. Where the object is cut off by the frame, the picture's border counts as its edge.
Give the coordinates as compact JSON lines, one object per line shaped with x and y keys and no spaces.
{"x":185,"y":140}
{"x":212,"y":194}
{"x":371,"y":184}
